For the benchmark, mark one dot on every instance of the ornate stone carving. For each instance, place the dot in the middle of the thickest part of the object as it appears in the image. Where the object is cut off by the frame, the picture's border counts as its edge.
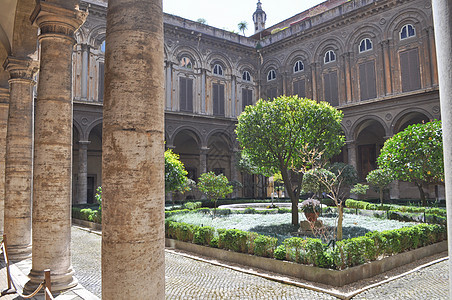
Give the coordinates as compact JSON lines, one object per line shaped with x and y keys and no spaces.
{"x":388,"y":117}
{"x":436,"y":109}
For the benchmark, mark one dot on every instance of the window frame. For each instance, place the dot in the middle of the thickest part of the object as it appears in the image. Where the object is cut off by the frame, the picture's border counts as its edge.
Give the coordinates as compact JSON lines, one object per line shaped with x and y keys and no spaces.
{"x":218,"y":70}
{"x":366,"y":49}
{"x":408,"y":36}
{"x":272,"y":72}
{"x":185,"y":65}
{"x":330,"y":60}
{"x":246,"y":76}
{"x":298,"y":63}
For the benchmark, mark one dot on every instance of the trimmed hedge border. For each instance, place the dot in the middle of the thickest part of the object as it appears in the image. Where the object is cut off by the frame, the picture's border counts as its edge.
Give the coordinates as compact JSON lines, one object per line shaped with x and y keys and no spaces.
{"x":403,"y":213}
{"x":347,"y":253}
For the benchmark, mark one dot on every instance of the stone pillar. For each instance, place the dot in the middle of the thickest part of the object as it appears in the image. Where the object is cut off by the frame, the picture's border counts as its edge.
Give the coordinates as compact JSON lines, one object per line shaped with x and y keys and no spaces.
{"x":52,"y":169}
{"x":82,"y":185}
{"x":348,"y":80}
{"x":234,"y":176}
{"x":314,"y":81}
{"x":387,"y":67}
{"x":169,"y":85}
{"x":351,"y":151}
{"x":133,"y":257}
{"x":19,"y":157}
{"x":442,"y":18}
{"x":203,"y":91}
{"x":4,"y":105}
{"x":432,"y":53}
{"x":233,"y":95}
{"x":84,"y":76}
{"x":203,"y":160}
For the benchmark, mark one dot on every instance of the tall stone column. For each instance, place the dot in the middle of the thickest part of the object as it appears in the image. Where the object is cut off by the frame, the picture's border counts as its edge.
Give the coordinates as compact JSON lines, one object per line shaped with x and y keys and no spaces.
{"x":19,"y":157}
{"x":52,"y":169}
{"x":387,"y":67}
{"x":442,"y":18}
{"x":82,"y":185}
{"x":203,"y":91}
{"x":133,"y":257}
{"x":169,"y":85}
{"x":314,"y":80}
{"x":203,"y":160}
{"x":4,"y":105}
{"x":234,"y":176}
{"x":85,"y":67}
{"x":351,"y":150}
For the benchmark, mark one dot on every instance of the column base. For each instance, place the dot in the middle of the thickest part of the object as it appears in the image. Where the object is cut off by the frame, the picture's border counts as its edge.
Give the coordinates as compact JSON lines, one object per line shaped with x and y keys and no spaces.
{"x":18,"y":253}
{"x":60,"y":282}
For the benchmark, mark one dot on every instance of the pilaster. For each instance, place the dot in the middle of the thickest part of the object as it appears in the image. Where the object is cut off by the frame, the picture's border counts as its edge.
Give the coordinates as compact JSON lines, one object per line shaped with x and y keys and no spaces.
{"x":82,"y":184}
{"x":4,"y":106}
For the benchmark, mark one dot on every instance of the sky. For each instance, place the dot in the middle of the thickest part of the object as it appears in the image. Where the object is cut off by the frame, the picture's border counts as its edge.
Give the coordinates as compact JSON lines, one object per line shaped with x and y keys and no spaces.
{"x":226,"y":14}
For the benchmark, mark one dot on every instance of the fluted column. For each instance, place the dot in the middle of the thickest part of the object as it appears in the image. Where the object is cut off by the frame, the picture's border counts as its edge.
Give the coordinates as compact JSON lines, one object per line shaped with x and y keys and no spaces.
{"x":19,"y":157}
{"x":52,"y":170}
{"x":82,"y":184}
{"x":133,"y":258}
{"x":442,"y":17}
{"x":4,"y":105}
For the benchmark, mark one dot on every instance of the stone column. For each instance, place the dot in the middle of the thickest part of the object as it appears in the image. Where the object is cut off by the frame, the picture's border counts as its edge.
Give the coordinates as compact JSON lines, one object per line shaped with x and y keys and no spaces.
{"x":52,"y":169}
{"x":234,"y":176}
{"x":203,"y":91}
{"x":348,"y":80}
{"x":19,"y":157}
{"x":351,"y":150}
{"x":432,"y":53}
{"x":133,"y":257}
{"x":442,"y":17}
{"x":84,"y":76}
{"x":387,"y":67}
{"x":203,"y":160}
{"x":4,"y":105}
{"x":169,"y":85}
{"x":314,"y":81}
{"x":233,"y":95}
{"x":82,"y":185}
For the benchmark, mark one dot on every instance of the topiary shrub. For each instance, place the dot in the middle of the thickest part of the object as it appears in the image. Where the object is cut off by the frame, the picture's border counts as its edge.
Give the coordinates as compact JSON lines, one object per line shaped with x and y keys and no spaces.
{"x":280,"y":252}
{"x":203,"y":235}
{"x":264,"y":245}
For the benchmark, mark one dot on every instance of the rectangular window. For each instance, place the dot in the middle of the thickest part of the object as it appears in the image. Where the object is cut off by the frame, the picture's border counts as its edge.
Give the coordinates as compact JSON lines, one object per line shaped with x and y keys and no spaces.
{"x":186,"y":94}
{"x":247,"y":98}
{"x":299,"y":88}
{"x":331,"y":88}
{"x":218,"y":99}
{"x":272,"y":93}
{"x":367,"y":80}
{"x":100,"y":91}
{"x":410,"y":70}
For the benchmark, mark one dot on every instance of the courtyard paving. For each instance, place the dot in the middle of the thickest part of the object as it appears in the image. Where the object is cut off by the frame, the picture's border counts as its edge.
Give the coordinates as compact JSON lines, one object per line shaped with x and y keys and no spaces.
{"x":188,"y":278}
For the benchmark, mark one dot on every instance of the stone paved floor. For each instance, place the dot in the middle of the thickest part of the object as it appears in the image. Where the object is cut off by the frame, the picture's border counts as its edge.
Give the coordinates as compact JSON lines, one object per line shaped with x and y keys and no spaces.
{"x":191,"y":279}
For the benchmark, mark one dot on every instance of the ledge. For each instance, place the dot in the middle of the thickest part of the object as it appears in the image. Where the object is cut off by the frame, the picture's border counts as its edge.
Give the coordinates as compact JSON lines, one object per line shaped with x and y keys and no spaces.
{"x":88,"y":224}
{"x":310,"y":273}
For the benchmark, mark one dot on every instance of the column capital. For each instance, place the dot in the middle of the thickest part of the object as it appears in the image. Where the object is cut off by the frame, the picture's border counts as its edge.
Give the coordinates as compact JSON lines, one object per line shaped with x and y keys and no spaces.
{"x":85,"y":47}
{"x":21,"y":68}
{"x":55,"y":20}
{"x":350,"y":142}
{"x":4,"y":95}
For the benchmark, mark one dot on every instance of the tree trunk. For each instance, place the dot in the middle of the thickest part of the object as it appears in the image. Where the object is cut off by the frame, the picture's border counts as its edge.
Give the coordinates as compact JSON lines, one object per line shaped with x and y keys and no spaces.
{"x":292,"y":195}
{"x":422,"y":194}
{"x":381,"y":196}
{"x":339,"y":222}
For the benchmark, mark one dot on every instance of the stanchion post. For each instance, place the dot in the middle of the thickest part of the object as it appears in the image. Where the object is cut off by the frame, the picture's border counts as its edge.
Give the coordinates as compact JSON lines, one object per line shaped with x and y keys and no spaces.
{"x":48,"y":284}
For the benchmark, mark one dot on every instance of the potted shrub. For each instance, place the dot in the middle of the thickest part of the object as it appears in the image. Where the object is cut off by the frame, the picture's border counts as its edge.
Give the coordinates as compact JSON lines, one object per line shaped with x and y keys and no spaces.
{"x":311,"y":208}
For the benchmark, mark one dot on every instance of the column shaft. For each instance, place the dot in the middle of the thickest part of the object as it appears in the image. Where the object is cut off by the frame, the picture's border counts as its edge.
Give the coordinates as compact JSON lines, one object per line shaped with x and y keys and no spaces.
{"x":84,"y":77}
{"x":203,"y":161}
{"x":82,"y":184}
{"x":19,"y":158}
{"x":4,"y":106}
{"x":133,"y":258}
{"x":52,"y":170}
{"x":442,"y":17}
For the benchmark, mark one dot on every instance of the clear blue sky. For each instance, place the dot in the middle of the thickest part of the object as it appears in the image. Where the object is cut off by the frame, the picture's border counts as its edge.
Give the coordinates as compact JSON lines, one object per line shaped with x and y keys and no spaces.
{"x":226,"y":14}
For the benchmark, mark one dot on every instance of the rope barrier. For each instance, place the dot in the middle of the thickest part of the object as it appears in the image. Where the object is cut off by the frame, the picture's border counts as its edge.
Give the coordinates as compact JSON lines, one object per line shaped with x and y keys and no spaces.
{"x":46,"y":284}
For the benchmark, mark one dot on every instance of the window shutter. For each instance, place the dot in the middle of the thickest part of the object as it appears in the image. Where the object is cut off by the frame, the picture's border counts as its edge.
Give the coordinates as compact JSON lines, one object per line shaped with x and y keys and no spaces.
{"x":182,"y":94}
{"x":221,"y":100}
{"x":334,"y":89}
{"x":363,"y":81}
{"x":215,"y":99}
{"x":190,"y":95}
{"x":410,"y":70}
{"x":299,"y":88}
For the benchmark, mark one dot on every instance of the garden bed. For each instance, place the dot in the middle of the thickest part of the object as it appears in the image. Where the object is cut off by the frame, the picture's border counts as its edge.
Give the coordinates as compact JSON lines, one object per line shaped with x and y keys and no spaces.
{"x":320,"y":275}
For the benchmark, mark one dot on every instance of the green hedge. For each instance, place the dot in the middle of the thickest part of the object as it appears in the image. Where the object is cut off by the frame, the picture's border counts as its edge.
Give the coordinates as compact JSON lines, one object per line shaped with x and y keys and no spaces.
{"x":347,"y":253}
{"x":435,"y":215}
{"x":87,"y":214}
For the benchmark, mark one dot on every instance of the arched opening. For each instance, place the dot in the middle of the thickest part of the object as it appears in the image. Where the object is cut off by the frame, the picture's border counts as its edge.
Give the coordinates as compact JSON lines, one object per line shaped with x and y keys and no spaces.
{"x":219,"y":155}
{"x":369,"y":140}
{"x":410,"y":119}
{"x":187,"y":146}
{"x":94,"y":174}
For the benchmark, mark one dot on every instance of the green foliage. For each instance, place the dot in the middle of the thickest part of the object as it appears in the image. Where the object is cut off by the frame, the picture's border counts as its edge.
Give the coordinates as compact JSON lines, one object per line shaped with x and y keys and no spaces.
{"x":98,"y":197}
{"x":280,"y":252}
{"x":271,"y":134}
{"x":359,"y":189}
{"x":346,"y":173}
{"x":312,"y":183}
{"x":202,"y":21}
{"x":415,"y":155}
{"x":192,"y":205}
{"x":242,"y":26}
{"x":379,"y":179}
{"x":234,"y":239}
{"x":175,"y":173}
{"x":87,"y":214}
{"x":264,"y":246}
{"x":204,"y":235}
{"x":214,"y":186}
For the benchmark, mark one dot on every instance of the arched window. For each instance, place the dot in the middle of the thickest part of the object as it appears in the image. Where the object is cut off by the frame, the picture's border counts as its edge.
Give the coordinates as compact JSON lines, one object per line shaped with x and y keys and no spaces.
{"x":365,"y":45}
{"x":330,"y":56}
{"x":271,"y":75}
{"x":407,"y":31}
{"x":102,"y":47}
{"x":185,"y":62}
{"x":298,"y":66}
{"x":218,"y":70}
{"x":246,"y":76}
